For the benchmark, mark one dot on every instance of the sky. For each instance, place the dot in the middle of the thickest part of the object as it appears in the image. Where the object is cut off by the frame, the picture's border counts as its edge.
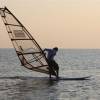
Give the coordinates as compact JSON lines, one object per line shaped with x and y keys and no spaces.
{"x":61,"y":23}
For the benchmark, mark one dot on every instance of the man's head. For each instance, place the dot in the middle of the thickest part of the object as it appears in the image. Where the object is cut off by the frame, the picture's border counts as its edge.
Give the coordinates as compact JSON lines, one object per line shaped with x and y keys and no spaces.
{"x":55,"y":48}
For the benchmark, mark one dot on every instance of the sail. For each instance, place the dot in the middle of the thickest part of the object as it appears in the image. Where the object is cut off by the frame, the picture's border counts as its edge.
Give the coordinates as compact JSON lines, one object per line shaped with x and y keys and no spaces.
{"x":29,"y":52}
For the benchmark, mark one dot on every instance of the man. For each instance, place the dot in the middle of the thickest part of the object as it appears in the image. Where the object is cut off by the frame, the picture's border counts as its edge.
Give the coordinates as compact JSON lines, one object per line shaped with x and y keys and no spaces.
{"x":53,"y":66}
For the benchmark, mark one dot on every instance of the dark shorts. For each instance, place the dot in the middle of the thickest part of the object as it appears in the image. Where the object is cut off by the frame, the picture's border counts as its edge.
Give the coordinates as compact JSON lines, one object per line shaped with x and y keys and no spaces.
{"x":53,"y":64}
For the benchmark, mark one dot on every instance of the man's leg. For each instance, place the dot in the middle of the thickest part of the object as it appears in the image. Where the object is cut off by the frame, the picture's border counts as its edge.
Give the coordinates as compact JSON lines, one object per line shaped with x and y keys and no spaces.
{"x":50,"y":73}
{"x":57,"y":70}
{"x":56,"y":67}
{"x":50,"y":68}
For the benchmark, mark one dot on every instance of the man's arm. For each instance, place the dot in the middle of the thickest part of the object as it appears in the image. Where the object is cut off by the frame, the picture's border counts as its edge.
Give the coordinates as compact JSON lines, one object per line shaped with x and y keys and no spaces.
{"x":47,"y":49}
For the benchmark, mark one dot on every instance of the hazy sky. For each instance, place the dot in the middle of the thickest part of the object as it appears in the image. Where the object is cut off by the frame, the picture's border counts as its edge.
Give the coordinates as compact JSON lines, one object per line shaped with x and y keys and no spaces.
{"x":62,"y":23}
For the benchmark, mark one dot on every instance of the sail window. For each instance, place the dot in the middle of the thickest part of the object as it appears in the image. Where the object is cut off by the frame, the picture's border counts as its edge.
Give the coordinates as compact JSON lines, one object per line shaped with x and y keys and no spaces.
{"x":19,"y":33}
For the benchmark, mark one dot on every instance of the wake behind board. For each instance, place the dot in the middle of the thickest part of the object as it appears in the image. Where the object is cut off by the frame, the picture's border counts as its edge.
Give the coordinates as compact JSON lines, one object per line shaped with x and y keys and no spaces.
{"x":73,"y":78}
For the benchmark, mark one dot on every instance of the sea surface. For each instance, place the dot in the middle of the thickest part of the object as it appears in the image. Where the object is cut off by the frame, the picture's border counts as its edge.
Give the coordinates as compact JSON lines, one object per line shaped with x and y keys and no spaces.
{"x":19,"y":83}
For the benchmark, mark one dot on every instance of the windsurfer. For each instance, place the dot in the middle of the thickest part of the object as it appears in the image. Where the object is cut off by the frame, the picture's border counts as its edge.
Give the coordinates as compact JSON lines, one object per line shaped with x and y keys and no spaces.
{"x":53,"y":66}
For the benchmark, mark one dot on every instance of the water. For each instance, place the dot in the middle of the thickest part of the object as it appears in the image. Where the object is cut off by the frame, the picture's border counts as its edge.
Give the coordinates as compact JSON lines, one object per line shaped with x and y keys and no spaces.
{"x":18,"y":83}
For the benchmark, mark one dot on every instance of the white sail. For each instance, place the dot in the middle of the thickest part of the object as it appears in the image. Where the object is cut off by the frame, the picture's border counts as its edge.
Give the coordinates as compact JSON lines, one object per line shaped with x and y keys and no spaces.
{"x":27,"y":49}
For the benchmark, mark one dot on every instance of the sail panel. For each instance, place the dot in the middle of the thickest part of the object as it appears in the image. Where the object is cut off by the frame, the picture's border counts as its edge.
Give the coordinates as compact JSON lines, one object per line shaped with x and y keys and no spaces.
{"x":27,"y":49}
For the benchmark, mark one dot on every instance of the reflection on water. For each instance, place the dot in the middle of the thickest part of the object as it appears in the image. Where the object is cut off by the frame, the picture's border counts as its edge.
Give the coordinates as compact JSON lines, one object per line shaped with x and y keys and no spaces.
{"x":44,"y":89}
{"x":28,"y":89}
